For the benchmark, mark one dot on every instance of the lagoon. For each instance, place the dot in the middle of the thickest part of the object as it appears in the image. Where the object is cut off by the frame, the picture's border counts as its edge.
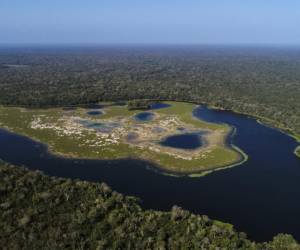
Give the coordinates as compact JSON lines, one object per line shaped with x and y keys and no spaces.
{"x":144,"y":116}
{"x":183,"y":141}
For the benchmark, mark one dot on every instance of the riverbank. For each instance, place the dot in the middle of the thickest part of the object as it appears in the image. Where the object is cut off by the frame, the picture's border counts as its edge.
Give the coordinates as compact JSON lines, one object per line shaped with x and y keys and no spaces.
{"x":80,"y":214}
{"x":267,"y":122}
{"x":214,"y":195}
{"x":297,"y":151}
{"x":263,"y":119}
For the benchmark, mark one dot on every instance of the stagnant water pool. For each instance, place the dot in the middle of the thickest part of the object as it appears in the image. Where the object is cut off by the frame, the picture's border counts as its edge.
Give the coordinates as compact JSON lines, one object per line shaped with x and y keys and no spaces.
{"x":144,"y":116}
{"x":183,"y":141}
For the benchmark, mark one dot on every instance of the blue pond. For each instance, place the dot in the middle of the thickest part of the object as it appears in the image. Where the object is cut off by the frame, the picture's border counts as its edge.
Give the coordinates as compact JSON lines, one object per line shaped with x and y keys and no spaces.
{"x":159,"y":105}
{"x":183,"y":141}
{"x":95,"y":112}
{"x":144,"y":116}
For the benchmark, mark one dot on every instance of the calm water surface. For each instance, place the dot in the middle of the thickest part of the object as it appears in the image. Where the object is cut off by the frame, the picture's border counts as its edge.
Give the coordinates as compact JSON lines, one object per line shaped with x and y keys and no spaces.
{"x":183,"y":141}
{"x":259,"y":197}
{"x":95,"y":112}
{"x":159,"y":105}
{"x":144,"y":116}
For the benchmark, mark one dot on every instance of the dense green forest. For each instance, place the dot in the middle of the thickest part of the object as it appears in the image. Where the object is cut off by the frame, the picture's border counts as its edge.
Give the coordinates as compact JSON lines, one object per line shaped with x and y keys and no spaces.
{"x":260,"y":81}
{"x":41,"y":212}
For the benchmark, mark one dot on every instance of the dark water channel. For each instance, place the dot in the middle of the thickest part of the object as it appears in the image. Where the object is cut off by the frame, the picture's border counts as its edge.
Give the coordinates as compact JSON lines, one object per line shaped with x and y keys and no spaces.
{"x":183,"y":141}
{"x":259,"y":197}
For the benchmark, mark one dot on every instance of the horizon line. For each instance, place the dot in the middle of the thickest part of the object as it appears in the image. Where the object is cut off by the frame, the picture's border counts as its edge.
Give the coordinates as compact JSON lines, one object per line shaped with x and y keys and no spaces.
{"x":143,"y":44}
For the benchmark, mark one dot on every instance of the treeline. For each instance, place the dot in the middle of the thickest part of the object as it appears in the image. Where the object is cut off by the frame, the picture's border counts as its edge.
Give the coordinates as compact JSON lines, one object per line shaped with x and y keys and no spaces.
{"x":41,"y":212}
{"x":259,"y":81}
{"x":139,"y":104}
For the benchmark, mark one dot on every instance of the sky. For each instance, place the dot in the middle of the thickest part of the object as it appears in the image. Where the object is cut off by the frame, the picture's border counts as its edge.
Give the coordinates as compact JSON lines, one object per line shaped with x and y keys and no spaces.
{"x":150,"y":22}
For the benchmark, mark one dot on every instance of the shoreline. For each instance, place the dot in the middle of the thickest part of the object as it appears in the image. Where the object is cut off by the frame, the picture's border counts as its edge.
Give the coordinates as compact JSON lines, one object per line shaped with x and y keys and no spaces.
{"x":261,"y":119}
{"x":154,"y":165}
{"x":164,"y":170}
{"x":297,"y":151}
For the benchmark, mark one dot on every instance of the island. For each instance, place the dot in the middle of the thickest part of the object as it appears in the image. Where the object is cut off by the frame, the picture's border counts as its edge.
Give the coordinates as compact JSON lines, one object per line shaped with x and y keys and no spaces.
{"x":166,"y":133}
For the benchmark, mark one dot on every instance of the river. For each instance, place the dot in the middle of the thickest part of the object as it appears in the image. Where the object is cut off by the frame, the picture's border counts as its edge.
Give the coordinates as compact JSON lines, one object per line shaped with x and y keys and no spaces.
{"x":259,"y":197}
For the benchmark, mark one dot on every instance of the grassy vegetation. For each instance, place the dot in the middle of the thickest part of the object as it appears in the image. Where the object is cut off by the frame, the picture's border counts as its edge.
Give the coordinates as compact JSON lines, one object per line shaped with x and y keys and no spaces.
{"x":184,"y":111}
{"x":41,"y":212}
{"x":38,"y":212}
{"x":297,"y":151}
{"x":139,"y":104}
{"x":260,"y":81}
{"x":219,"y":155}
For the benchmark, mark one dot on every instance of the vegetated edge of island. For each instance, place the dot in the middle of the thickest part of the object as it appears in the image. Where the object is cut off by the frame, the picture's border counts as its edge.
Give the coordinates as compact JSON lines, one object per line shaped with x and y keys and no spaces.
{"x":242,"y":157}
{"x":266,"y":122}
{"x":145,"y":104}
{"x":260,"y":119}
{"x":154,"y":166}
{"x":297,"y":151}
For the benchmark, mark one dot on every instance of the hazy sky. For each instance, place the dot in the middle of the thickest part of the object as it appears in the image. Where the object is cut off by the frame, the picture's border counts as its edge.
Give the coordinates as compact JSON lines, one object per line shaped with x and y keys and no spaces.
{"x":151,"y":21}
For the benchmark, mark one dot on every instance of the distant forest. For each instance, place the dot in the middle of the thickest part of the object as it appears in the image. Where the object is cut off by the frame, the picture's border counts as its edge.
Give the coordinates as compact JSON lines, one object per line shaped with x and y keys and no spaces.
{"x":260,"y":81}
{"x":40,"y":212}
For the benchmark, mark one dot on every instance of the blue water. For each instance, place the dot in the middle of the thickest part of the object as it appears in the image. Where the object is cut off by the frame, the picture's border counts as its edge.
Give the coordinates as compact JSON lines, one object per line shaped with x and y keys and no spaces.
{"x":259,"y":197}
{"x":144,"y":116}
{"x":159,"y":105}
{"x":183,"y":141}
{"x":158,"y":130}
{"x":95,"y":112}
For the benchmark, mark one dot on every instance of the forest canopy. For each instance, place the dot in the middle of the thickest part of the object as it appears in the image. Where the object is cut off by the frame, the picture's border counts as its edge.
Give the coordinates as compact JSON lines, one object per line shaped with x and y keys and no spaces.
{"x":256,"y":80}
{"x":41,"y":212}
